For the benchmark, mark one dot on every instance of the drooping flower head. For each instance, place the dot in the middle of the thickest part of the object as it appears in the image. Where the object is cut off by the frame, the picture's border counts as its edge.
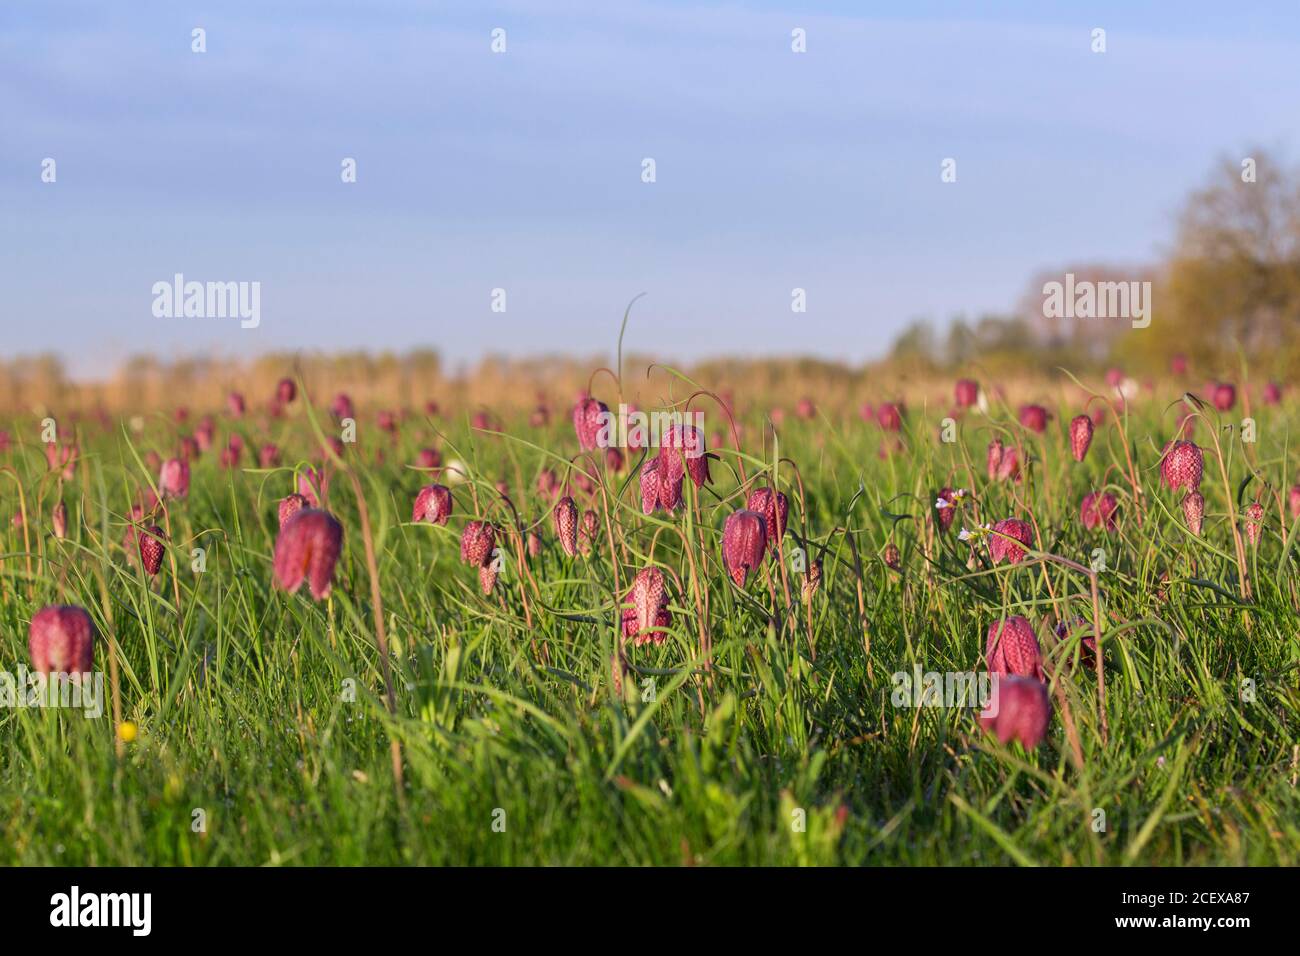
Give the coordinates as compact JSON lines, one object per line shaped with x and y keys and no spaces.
{"x":681,"y":447}
{"x":307,"y":549}
{"x":1023,"y":712}
{"x":1010,"y":539}
{"x":313,"y":484}
{"x":588,"y":529}
{"x":1254,"y":515}
{"x":656,"y":492}
{"x":889,"y":416}
{"x":1098,"y":510}
{"x":994,"y":458}
{"x":432,"y":504}
{"x":290,"y":505}
{"x":286,"y":391}
{"x":1194,"y":511}
{"x":61,"y":640}
{"x":945,"y":507}
{"x":588,"y":417}
{"x":477,"y":542}
{"x":744,"y":542}
{"x":648,"y":600}
{"x":565,"y":517}
{"x":342,"y":407}
{"x":1225,"y":396}
{"x":774,"y":508}
{"x":174,"y":478}
{"x":1182,"y":465}
{"x":1012,"y":648}
{"x":1088,"y":642}
{"x":1034,"y":417}
{"x":967,"y":392}
{"x":1081,"y":428}
{"x":151,"y":549}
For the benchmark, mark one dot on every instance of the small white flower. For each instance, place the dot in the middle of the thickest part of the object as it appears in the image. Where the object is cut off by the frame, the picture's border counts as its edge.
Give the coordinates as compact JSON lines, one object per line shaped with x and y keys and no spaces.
{"x":964,"y":535}
{"x":942,"y":503}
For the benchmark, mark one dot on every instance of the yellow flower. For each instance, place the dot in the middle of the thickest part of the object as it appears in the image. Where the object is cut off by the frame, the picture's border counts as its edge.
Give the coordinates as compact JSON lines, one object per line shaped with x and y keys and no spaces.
{"x":126,"y":731}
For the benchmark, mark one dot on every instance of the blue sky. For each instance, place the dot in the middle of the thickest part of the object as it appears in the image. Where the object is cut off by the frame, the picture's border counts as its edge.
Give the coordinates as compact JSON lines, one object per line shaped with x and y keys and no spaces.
{"x":522,"y":170}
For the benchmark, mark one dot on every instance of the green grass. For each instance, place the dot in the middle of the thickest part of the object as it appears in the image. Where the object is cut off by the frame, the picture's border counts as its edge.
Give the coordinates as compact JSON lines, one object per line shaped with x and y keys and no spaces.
{"x":238,"y":692}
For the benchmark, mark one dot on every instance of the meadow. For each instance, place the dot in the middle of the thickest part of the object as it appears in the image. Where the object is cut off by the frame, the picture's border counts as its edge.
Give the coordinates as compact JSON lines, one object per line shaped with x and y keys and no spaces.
{"x":741,"y":706}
